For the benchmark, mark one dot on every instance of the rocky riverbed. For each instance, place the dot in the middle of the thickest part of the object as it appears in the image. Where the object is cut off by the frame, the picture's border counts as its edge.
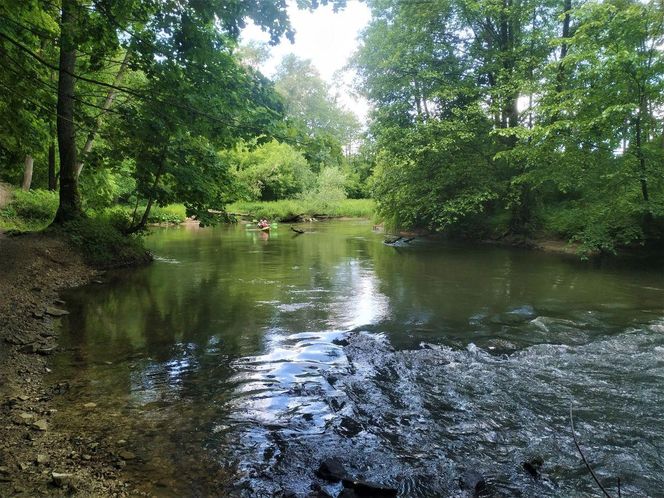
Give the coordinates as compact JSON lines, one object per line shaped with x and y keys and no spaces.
{"x":37,"y":455}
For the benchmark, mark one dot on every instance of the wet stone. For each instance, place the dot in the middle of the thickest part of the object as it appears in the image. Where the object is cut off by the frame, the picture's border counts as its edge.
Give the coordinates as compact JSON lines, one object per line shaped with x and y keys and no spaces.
{"x":90,"y":405}
{"x":371,"y":490}
{"x":331,"y":469}
{"x":53,"y":311}
{"x":62,"y":480}
{"x":472,"y":482}
{"x":533,"y":466}
{"x":40,"y":425}
{"x":126,"y":455}
{"x":42,"y":459}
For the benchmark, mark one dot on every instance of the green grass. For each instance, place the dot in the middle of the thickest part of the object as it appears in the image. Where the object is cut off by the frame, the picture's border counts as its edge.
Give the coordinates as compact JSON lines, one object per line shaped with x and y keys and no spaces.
{"x":278,"y":210}
{"x":29,"y":211}
{"x":173,"y":213}
{"x":98,"y":235}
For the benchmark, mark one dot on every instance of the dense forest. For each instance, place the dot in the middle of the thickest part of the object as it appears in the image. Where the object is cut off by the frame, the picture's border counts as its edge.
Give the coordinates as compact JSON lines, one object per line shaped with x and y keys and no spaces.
{"x":490,"y":119}
{"x":519,"y":117}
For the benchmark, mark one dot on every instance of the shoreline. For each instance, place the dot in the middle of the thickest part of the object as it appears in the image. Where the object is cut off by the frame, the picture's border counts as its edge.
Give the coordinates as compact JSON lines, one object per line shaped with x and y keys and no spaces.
{"x":37,"y":456}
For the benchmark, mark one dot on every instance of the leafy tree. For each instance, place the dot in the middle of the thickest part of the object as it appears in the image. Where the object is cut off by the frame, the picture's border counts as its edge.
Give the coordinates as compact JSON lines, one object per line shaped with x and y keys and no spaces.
{"x":321,"y":126}
{"x":270,"y":171}
{"x":163,"y":40}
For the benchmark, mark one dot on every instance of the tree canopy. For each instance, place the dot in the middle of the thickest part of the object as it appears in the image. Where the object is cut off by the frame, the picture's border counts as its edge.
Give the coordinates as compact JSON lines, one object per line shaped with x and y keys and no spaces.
{"x":518,"y":116}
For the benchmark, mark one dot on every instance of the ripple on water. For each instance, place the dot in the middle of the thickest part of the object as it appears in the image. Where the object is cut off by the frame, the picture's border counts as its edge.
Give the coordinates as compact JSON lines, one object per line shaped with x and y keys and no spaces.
{"x":419,"y":418}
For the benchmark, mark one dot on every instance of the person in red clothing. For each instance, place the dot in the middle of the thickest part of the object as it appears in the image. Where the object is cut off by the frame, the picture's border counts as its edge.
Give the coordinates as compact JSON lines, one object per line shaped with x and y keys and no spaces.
{"x":263,"y":223}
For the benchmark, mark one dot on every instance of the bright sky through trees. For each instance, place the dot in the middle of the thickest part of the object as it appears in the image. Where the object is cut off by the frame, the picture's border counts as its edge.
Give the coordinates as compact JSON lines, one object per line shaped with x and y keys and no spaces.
{"x":328,"y":39}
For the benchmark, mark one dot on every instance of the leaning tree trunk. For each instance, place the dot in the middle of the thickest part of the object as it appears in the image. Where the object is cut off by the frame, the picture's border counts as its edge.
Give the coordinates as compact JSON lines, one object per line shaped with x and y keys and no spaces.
{"x":70,"y":197}
{"x":108,"y":102}
{"x":146,"y":214}
{"x":27,"y":172}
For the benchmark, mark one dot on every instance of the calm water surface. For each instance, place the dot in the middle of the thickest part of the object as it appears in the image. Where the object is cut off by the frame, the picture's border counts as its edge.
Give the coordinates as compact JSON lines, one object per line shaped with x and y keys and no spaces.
{"x":238,"y":361}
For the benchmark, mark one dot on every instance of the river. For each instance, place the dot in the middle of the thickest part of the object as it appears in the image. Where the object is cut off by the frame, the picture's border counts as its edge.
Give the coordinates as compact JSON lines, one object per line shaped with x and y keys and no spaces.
{"x":238,"y":361}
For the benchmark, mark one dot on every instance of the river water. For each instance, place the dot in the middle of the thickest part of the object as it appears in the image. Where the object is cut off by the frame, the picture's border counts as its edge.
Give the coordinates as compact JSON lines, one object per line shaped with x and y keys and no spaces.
{"x":238,"y":361}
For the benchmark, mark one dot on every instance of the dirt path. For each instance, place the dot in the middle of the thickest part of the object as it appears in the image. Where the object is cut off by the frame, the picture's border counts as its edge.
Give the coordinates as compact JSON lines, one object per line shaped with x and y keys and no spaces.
{"x":38,"y":458}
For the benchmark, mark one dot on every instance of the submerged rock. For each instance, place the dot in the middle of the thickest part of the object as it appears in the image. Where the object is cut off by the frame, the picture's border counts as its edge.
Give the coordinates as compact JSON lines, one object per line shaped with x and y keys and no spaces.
{"x":126,"y":455}
{"x":533,"y":466}
{"x":370,"y":489}
{"x":331,"y":469}
{"x":472,"y":482}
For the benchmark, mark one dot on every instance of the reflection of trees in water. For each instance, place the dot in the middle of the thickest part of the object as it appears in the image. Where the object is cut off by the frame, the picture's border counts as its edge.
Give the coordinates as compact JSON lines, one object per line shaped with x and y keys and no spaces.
{"x":443,"y":287}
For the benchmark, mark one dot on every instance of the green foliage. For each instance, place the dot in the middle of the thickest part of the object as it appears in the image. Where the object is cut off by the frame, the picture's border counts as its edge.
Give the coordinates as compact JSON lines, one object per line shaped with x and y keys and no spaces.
{"x":271,"y":171}
{"x":321,"y":126}
{"x":101,"y":240}
{"x":28,"y":211}
{"x":456,"y":184}
{"x":329,"y":192}
{"x":279,"y":210}
{"x":173,"y":213}
{"x":458,"y":150}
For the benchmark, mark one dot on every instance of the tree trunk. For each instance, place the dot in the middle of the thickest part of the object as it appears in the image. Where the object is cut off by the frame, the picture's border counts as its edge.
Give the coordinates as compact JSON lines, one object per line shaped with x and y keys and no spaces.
{"x":70,"y":198}
{"x":108,"y":102}
{"x":643,"y":175}
{"x":52,"y":177}
{"x":146,"y":214}
{"x":418,"y":103}
{"x":27,"y":172}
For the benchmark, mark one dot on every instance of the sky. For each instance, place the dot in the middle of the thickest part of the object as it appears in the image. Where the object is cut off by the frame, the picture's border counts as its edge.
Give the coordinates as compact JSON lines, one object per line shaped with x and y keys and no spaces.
{"x":328,"y":39}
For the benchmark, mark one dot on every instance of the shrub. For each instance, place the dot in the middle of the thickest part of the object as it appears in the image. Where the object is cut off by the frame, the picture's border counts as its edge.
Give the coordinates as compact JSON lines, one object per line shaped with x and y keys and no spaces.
{"x":37,"y":205}
{"x":102,"y":242}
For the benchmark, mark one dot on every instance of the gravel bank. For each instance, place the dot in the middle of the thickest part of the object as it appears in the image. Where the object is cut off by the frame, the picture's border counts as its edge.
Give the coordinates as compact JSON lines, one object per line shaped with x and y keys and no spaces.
{"x":37,"y":457}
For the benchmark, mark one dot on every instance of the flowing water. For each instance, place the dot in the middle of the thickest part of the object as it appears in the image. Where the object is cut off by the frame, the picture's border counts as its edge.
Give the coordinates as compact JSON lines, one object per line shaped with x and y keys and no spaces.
{"x":238,"y":361}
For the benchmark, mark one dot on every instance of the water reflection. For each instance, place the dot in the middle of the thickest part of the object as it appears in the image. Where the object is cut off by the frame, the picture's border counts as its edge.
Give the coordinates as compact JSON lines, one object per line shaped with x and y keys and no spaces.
{"x":235,"y":351}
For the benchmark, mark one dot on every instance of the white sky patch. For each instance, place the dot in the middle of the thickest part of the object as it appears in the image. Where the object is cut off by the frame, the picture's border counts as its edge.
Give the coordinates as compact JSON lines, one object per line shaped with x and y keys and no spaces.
{"x":328,"y":39}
